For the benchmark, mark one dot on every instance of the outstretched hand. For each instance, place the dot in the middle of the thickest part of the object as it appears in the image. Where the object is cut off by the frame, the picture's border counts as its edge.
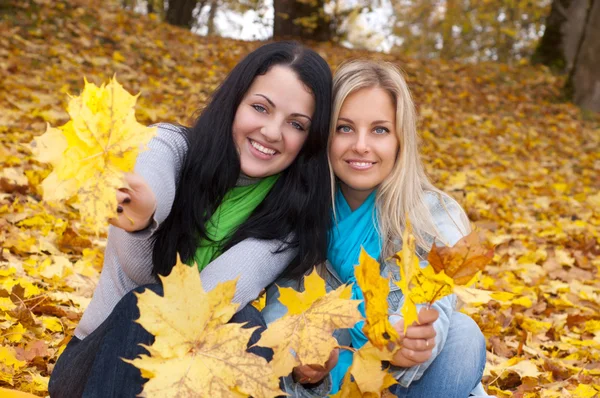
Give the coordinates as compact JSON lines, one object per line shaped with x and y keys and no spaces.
{"x":136,"y":204}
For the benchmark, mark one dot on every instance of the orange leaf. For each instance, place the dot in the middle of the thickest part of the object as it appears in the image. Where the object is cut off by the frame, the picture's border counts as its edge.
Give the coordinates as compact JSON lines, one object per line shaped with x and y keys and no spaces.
{"x":463,"y":260}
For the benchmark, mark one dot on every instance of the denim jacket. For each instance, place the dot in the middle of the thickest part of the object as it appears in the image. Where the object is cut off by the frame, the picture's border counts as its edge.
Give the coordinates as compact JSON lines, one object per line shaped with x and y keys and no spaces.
{"x":451,"y":225}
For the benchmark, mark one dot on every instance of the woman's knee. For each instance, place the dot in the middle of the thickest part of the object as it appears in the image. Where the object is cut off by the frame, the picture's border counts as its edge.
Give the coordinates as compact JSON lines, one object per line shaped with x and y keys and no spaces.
{"x":127,"y":306}
{"x":474,"y":344}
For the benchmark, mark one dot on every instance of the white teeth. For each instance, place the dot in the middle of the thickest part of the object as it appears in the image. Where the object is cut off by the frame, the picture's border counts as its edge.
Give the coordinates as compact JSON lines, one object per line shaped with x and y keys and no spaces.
{"x":361,"y":164}
{"x":262,"y":149}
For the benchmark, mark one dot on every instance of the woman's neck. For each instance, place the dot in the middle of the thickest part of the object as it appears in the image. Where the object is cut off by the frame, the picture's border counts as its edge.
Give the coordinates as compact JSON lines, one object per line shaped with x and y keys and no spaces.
{"x":244,"y":180}
{"x":354,"y":197}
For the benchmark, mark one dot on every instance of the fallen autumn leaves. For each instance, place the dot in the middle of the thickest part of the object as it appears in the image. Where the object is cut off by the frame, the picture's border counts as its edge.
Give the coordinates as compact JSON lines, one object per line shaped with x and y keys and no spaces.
{"x":524,"y":166}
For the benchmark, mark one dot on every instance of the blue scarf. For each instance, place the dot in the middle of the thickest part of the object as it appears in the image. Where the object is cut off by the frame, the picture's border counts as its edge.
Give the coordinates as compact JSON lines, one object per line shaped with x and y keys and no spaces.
{"x":353,"y":230}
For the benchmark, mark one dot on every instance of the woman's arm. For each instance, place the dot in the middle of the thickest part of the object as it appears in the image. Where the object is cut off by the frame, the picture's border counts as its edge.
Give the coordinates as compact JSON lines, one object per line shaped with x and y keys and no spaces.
{"x":452,"y":224}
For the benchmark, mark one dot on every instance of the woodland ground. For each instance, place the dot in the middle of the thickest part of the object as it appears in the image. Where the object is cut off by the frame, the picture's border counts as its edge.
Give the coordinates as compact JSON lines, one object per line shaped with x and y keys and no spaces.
{"x":525,"y":166}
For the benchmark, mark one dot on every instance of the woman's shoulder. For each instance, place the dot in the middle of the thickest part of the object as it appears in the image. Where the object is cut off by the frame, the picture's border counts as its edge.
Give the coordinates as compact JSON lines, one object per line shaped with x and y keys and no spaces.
{"x":449,"y":218}
{"x":172,"y":134}
{"x":168,"y":146}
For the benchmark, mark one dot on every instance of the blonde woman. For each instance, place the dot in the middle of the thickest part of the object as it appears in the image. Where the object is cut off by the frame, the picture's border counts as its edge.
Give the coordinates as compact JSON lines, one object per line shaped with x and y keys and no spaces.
{"x":379,"y":181}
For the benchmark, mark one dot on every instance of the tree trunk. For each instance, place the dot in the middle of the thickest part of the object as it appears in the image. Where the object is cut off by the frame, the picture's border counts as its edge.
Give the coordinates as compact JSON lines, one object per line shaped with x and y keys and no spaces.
{"x":210,"y":23}
{"x":573,"y":30}
{"x":301,"y":19}
{"x":584,"y":80}
{"x":550,"y":50}
{"x":181,"y":13}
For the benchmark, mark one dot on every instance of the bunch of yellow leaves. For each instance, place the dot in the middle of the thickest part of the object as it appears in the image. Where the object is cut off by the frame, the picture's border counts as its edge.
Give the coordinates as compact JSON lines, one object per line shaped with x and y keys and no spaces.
{"x":196,"y":352}
{"x":305,"y":334}
{"x":92,"y":151}
{"x":450,"y":268}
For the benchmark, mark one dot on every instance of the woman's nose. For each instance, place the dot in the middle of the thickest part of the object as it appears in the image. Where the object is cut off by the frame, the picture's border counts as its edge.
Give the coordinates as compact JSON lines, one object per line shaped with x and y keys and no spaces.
{"x":271,"y":132}
{"x":361,"y":144}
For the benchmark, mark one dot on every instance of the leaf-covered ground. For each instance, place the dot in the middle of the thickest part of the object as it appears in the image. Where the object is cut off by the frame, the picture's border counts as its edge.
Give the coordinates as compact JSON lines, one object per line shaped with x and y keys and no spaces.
{"x":525,"y":166}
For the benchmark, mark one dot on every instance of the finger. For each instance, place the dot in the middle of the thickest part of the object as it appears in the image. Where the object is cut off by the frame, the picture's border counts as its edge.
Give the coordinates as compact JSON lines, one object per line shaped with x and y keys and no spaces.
{"x":123,"y":196}
{"x":399,"y":326}
{"x":419,"y":344}
{"x":310,"y":377}
{"x":134,"y":181}
{"x":333,"y":359}
{"x":420,"y":332}
{"x":416,"y":356}
{"x":300,"y":372}
{"x":428,"y":315}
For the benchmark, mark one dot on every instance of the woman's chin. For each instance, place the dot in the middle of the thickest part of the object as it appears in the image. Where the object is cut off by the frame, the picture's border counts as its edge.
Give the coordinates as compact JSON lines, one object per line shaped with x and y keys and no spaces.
{"x":256,"y":172}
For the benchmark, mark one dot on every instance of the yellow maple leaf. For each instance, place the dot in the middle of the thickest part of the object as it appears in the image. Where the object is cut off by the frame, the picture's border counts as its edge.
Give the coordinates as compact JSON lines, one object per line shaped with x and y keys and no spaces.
{"x":91,"y":152}
{"x":375,"y":289}
{"x":349,"y":388}
{"x":470,"y":295}
{"x":586,"y":391}
{"x":299,"y":302}
{"x":195,"y":352}
{"x":408,"y":262}
{"x":429,"y":286}
{"x":367,"y":371}
{"x":304,"y":334}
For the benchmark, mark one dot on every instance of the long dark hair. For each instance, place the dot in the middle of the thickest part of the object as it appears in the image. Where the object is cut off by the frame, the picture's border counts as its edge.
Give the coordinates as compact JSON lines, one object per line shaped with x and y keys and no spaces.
{"x":296,"y":210}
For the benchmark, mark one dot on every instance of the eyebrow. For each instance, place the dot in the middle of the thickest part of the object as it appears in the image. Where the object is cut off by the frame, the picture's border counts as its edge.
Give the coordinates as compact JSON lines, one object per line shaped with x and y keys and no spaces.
{"x":374,"y":122}
{"x":274,"y":106}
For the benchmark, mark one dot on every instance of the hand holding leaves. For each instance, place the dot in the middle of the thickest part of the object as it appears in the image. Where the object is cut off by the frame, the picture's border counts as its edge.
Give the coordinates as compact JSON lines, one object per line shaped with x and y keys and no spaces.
{"x":91,"y":152}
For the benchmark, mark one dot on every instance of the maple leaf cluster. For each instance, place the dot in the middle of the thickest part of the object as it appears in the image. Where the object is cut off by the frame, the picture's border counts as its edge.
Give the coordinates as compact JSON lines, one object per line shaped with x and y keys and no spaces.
{"x":524,"y":165}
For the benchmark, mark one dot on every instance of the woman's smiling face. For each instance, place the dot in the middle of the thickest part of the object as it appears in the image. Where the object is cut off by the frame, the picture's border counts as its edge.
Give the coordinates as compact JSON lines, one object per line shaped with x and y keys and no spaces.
{"x":272,"y":122}
{"x":364,"y":147}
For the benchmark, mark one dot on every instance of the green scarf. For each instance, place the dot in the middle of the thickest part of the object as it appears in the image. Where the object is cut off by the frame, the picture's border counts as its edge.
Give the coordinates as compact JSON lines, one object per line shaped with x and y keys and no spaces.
{"x":236,"y":207}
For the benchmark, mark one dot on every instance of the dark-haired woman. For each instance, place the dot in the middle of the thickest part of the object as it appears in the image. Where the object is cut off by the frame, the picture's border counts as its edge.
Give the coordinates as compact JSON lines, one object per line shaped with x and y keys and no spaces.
{"x":242,"y":193}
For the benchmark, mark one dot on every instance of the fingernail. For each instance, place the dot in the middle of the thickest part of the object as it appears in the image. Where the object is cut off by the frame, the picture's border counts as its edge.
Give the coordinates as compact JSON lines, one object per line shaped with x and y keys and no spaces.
{"x":127,"y":200}
{"x":119,"y":209}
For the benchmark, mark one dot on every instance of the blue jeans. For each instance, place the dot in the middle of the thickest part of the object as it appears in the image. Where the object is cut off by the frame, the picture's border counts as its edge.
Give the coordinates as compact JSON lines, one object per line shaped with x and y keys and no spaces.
{"x":92,"y":367}
{"x":458,"y":368}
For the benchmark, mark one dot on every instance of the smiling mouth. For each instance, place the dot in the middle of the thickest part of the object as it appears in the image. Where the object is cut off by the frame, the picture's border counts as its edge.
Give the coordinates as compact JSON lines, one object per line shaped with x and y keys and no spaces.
{"x":262,"y":149}
{"x":360,"y":165}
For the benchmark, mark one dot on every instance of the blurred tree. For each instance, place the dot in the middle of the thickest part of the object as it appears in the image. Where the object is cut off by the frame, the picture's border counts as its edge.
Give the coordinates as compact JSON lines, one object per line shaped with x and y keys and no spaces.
{"x":502,"y":30}
{"x":583,"y":84}
{"x":181,"y":12}
{"x":302,"y":19}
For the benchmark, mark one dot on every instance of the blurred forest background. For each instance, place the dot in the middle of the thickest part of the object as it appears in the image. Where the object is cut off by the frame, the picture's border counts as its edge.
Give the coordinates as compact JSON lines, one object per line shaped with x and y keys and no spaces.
{"x":561,"y":34}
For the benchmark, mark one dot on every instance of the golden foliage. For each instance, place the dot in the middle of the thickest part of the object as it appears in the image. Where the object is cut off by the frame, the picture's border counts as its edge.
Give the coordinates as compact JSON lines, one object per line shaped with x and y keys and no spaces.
{"x":93,"y":150}
{"x":375,"y":289}
{"x":463,"y":260}
{"x":196,"y":352}
{"x":521,"y":162}
{"x":304,"y":334}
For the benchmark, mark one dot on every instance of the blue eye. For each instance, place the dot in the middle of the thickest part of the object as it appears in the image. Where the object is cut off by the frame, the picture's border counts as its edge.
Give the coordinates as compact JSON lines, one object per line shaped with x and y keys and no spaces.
{"x":344,"y":129}
{"x":259,"y":108}
{"x":381,"y":130}
{"x":297,"y":126}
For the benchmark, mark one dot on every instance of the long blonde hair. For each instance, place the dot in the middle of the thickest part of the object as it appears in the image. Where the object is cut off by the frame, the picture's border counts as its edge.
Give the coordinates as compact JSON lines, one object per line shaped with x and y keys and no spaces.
{"x":403,"y":192}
